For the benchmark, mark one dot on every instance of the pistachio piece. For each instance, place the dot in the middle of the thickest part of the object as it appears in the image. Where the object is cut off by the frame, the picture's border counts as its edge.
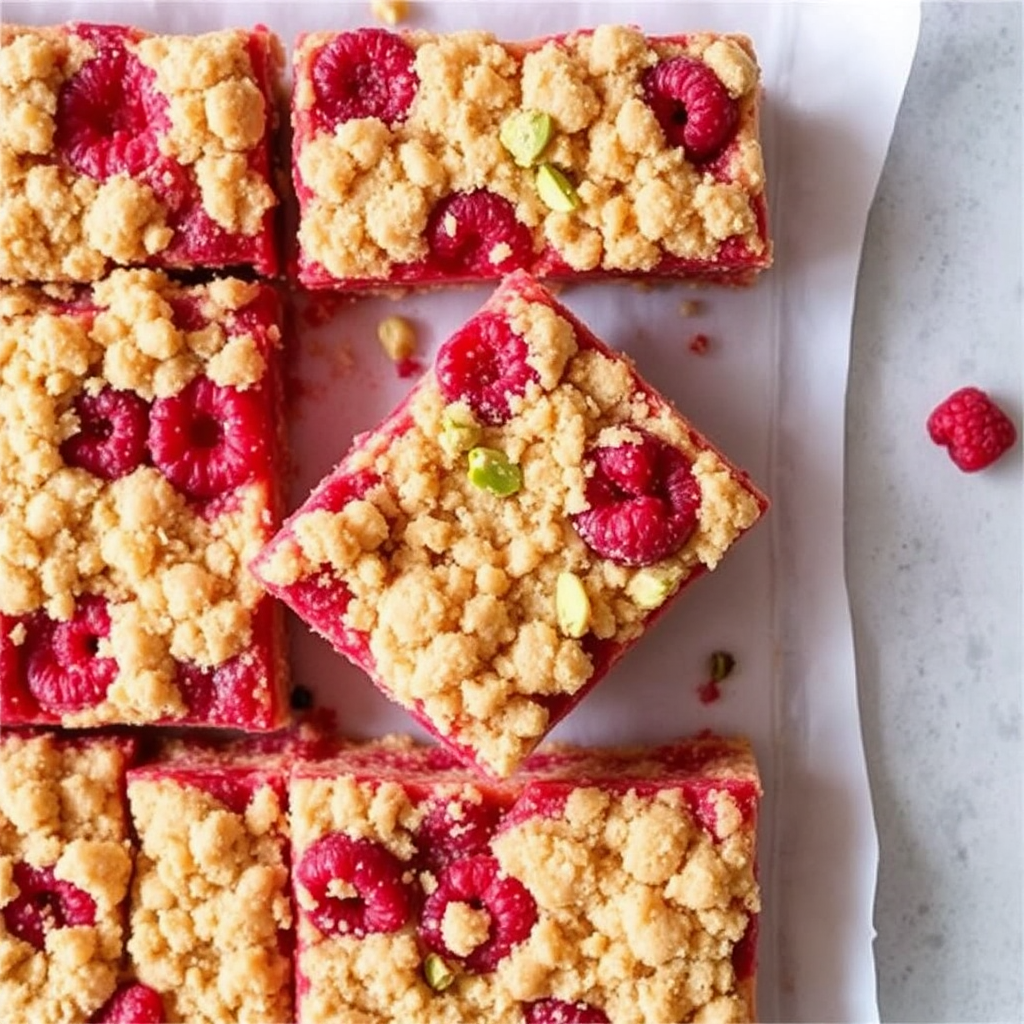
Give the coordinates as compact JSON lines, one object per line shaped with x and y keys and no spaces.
{"x":572,"y":606}
{"x":556,"y":189}
{"x":650,"y":588}
{"x":525,"y":134}
{"x":459,"y":429}
{"x":438,"y":974}
{"x":721,"y":664}
{"x":491,"y":470}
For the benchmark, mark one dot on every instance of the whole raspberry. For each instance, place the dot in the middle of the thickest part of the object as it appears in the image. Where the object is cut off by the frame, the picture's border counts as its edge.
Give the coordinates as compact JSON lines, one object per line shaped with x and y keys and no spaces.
{"x":44,"y":903}
{"x":974,"y":429}
{"x":109,"y":113}
{"x":692,"y":106}
{"x":478,"y":233}
{"x":208,"y":439}
{"x":63,"y":671}
{"x":111,"y":437}
{"x":454,"y":829}
{"x":644,"y":502}
{"x":380,"y":900}
{"x":479,"y":883}
{"x":366,"y":73}
{"x":484,"y":365}
{"x":131,"y":1004}
{"x":555,"y":1011}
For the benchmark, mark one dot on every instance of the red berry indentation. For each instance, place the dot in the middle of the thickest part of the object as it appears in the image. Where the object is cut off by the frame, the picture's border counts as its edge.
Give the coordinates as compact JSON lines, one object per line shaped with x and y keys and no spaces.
{"x":556,"y":1011}
{"x":109,"y":113}
{"x":357,"y":885}
{"x":479,"y":882}
{"x":484,"y":365}
{"x":454,"y":829}
{"x":44,"y":903}
{"x":692,"y":106}
{"x":63,"y":671}
{"x":208,"y":439}
{"x":111,"y":437}
{"x":644,"y":502}
{"x":974,"y":429}
{"x":366,"y":73}
{"x":131,"y":1004}
{"x":478,"y":233}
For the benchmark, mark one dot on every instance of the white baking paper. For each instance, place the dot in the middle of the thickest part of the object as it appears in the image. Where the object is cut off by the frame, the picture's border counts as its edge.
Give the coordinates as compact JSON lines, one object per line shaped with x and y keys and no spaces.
{"x":769,"y":391}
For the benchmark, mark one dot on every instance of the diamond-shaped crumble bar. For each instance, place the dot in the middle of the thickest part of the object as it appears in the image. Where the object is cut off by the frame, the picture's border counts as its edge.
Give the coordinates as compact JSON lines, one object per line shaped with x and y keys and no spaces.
{"x":425,"y":159}
{"x":122,"y":148}
{"x":139,"y":423}
{"x":510,"y":530}
{"x":596,"y":886}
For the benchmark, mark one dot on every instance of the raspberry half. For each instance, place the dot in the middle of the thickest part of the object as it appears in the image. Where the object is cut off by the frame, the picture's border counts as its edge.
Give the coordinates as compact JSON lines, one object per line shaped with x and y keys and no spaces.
{"x":109,"y":113}
{"x":208,"y":439}
{"x":479,"y":234}
{"x":366,"y":73}
{"x":63,"y":671}
{"x":111,"y":437}
{"x":132,"y":1004}
{"x":555,"y":1011}
{"x":644,"y":502}
{"x":44,"y":903}
{"x":484,"y":365}
{"x":455,"y":829}
{"x":973,"y":428}
{"x":478,"y":882}
{"x":357,"y":885}
{"x":692,"y":106}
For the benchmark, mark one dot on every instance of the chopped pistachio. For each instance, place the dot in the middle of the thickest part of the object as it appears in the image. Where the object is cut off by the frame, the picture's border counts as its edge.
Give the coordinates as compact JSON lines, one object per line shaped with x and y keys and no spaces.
{"x":721,"y":664}
{"x":438,"y":974}
{"x":525,"y":134}
{"x":459,"y":429}
{"x":491,"y":470}
{"x":572,"y":606}
{"x":556,"y":189}
{"x":650,"y":588}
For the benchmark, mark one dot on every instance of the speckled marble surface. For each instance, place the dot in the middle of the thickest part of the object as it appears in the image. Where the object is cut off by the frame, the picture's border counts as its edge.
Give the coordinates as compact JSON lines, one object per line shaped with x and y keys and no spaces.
{"x":934,"y":556}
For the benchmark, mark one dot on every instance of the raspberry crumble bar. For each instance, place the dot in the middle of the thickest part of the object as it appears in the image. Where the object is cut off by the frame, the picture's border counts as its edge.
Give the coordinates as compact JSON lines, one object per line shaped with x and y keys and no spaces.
{"x":600,"y":885}
{"x":499,"y":541}
{"x":138,"y":425}
{"x":122,"y":148}
{"x":65,"y":867}
{"x":424,"y":159}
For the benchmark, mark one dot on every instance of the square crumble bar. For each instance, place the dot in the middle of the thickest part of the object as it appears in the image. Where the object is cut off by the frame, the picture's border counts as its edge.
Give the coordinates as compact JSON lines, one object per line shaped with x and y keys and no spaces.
{"x":491,"y":549}
{"x":424,"y":159}
{"x":123,"y":148}
{"x":139,"y":423}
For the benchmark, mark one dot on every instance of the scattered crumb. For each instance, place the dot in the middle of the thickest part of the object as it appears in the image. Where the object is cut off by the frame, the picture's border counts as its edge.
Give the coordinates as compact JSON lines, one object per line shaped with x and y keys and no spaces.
{"x":409,"y":368}
{"x":390,"y":12}
{"x":320,"y":309}
{"x":397,"y":336}
{"x":691,"y":307}
{"x":699,"y":344}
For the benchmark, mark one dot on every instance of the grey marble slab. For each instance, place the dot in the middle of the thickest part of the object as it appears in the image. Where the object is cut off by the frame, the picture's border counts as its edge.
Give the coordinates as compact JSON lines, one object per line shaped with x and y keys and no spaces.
{"x":934,"y":557}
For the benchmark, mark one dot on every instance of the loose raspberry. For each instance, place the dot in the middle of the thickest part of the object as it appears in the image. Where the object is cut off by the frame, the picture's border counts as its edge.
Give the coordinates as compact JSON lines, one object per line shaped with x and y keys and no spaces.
{"x":109,"y":113}
{"x":111,"y":437}
{"x":366,"y":73}
{"x":478,"y":233}
{"x":478,"y":882}
{"x":555,"y":1011}
{"x":64,"y":674}
{"x":692,"y":106}
{"x":131,"y":1004}
{"x":44,"y":903}
{"x":974,"y":429}
{"x":484,"y":365}
{"x":455,"y":829}
{"x":208,"y":439}
{"x":644,"y":502}
{"x":381,"y":900}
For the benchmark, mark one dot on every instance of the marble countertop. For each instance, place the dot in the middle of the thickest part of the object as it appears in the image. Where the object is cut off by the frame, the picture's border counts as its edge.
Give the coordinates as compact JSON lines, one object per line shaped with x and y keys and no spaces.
{"x":934,"y":557}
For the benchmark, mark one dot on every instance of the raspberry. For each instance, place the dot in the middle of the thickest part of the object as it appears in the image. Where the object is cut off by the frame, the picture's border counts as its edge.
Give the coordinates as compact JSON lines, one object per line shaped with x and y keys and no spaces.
{"x":111,"y":437}
{"x":484,"y":365}
{"x":692,"y":106}
{"x":223,"y":695}
{"x":974,"y":429}
{"x":555,"y":1011}
{"x":471,"y":231}
{"x":207,"y":440}
{"x":109,"y":112}
{"x":44,"y":903}
{"x":366,"y":73}
{"x":131,"y":1004}
{"x":478,"y":882}
{"x":454,"y":830}
{"x":644,"y":502}
{"x":382,"y":901}
{"x":64,"y":673}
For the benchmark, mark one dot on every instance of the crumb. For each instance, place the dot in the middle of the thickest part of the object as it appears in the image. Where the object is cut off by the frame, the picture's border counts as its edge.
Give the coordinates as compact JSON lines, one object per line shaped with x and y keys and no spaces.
{"x":390,"y":12}
{"x":699,"y":344}
{"x":691,"y":307}
{"x":397,"y":336}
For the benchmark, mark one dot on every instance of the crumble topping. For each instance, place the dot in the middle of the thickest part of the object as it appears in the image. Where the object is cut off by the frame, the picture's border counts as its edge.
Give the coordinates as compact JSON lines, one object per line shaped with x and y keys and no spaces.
{"x":368,"y":188}
{"x":210,"y":903}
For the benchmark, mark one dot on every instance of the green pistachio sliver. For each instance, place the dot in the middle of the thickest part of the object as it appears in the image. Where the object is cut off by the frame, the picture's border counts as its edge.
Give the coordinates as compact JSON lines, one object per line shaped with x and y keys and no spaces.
{"x":438,"y":974}
{"x":459,"y":430}
{"x":525,"y":134}
{"x":721,"y":664}
{"x":556,"y":189}
{"x":572,"y":606}
{"x":650,"y":588}
{"x":491,"y":470}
